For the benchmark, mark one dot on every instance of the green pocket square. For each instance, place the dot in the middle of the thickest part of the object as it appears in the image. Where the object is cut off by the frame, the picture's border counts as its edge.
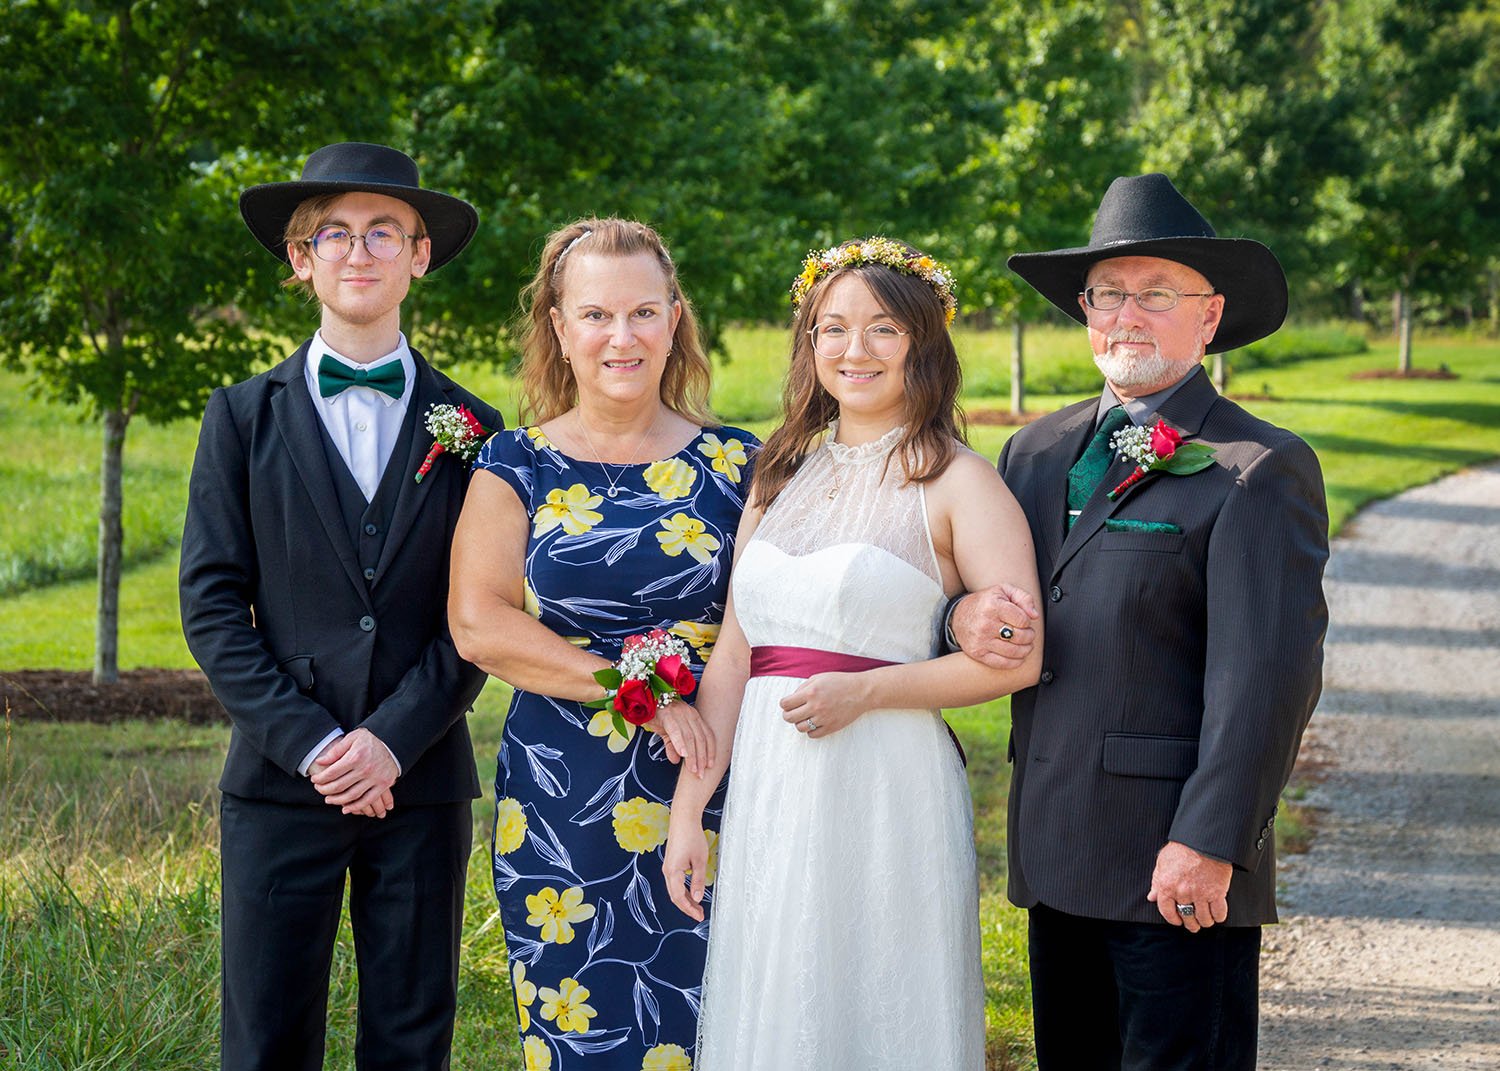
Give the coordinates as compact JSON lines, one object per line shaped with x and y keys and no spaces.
{"x":1125,"y":524}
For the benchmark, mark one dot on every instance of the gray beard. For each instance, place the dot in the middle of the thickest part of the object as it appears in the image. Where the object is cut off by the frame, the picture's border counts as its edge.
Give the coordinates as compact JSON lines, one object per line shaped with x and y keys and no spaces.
{"x":1132,"y":371}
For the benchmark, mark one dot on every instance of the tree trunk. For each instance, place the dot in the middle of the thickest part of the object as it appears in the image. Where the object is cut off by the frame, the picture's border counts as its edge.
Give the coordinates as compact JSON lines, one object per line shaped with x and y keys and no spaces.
{"x":1018,"y":368}
{"x":1403,"y":327}
{"x":1357,"y":301}
{"x":111,"y":542}
{"x":1221,"y":372}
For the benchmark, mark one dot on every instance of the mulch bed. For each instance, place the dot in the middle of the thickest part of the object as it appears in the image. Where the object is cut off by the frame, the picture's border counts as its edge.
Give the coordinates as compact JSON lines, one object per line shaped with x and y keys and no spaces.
{"x":1000,"y":417}
{"x":64,"y":695}
{"x":1396,"y":373}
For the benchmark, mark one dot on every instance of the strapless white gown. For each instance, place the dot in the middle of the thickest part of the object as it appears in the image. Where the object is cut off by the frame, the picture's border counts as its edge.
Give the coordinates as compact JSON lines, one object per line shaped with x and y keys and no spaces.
{"x":845,"y":934}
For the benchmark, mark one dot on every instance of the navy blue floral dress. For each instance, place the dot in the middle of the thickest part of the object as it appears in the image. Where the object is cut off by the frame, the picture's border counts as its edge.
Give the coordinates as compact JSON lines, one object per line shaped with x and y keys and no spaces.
{"x":607,"y":972}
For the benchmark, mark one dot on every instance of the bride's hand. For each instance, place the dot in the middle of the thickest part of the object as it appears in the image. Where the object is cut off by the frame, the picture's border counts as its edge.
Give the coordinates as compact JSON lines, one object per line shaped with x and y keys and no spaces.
{"x":686,"y":853}
{"x":686,"y":735}
{"x":826,"y":703}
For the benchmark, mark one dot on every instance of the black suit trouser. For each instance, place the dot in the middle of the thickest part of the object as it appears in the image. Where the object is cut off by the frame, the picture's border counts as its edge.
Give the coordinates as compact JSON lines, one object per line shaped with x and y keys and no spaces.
{"x":283,"y":888}
{"x":1141,"y":996}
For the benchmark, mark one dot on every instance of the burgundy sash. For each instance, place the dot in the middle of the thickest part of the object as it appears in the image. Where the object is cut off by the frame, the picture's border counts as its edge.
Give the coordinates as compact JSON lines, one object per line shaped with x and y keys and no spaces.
{"x":774,"y":660}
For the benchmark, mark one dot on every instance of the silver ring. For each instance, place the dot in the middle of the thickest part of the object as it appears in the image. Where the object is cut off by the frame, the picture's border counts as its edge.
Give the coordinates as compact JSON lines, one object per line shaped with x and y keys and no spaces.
{"x":1006,"y":632}
{"x":1187,"y":911}
{"x":812,"y":726}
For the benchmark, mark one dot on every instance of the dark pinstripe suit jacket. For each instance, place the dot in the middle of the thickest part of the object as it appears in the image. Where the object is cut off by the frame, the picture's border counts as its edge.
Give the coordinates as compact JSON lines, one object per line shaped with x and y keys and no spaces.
{"x":1180,"y":670}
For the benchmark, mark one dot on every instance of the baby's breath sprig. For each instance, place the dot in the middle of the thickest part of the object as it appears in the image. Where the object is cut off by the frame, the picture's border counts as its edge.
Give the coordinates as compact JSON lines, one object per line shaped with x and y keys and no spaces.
{"x":454,"y":430}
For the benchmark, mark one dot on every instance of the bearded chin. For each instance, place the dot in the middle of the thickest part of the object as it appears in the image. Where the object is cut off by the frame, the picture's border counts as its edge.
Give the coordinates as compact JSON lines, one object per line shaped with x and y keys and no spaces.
{"x":1128,"y":369}
{"x":1133,"y":369}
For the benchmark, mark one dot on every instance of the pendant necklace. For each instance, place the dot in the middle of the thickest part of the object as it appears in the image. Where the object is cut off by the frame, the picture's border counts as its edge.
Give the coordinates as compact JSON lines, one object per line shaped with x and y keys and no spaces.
{"x":614,"y":489}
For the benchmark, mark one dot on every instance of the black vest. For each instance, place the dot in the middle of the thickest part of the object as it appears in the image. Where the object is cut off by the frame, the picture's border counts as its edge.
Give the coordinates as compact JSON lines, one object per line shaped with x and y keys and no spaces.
{"x":368,"y":522}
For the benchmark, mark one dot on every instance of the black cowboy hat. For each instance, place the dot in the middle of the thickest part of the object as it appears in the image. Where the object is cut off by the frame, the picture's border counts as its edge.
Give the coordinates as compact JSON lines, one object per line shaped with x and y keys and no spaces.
{"x":1146,"y":216}
{"x":357,"y":167}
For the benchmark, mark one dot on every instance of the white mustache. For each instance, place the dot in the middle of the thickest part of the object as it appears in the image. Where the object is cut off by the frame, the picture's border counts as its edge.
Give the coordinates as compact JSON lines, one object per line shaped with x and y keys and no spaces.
{"x":1130,"y":334}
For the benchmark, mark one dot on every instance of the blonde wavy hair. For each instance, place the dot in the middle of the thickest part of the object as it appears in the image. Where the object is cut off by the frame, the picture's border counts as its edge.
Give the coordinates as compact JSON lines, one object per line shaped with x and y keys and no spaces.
{"x":548,"y":388}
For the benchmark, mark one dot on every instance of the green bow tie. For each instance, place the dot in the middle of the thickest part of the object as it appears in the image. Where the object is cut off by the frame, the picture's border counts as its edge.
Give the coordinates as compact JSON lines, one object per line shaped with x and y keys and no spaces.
{"x":336,"y":376}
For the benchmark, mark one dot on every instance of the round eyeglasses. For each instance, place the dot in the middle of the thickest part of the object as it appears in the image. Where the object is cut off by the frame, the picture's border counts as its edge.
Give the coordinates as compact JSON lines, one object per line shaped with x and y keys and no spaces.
{"x":1152,"y":299}
{"x":881,"y":341}
{"x":384,"y":241}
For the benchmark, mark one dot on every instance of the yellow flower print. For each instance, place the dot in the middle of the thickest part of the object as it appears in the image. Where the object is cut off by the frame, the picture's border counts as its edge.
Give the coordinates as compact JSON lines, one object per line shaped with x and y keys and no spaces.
{"x":701,"y":636}
{"x":539,"y":439}
{"x":667,"y":1058}
{"x":641,"y":826}
{"x":578,"y":641}
{"x":573,"y":509}
{"x":727,"y":455}
{"x":556,"y":914}
{"x":603,"y":724}
{"x":529,"y":601}
{"x":510,"y":826}
{"x":684,"y":533}
{"x":713,"y":857}
{"x":566,"y":1005}
{"x":525,"y":997}
{"x":672,"y":478}
{"x":538,"y":1055}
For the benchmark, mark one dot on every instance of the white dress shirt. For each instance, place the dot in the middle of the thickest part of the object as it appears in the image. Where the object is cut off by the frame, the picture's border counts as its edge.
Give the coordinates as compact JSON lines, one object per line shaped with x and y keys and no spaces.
{"x":364,"y":424}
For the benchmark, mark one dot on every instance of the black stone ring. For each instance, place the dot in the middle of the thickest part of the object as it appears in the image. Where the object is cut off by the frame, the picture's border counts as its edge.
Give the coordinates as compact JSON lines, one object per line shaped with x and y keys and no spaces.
{"x":1006,"y":632}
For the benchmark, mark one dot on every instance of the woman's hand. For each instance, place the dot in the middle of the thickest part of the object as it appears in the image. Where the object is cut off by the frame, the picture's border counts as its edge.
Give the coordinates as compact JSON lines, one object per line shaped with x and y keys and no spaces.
{"x":686,"y":734}
{"x":826,"y":703}
{"x":686,"y":854}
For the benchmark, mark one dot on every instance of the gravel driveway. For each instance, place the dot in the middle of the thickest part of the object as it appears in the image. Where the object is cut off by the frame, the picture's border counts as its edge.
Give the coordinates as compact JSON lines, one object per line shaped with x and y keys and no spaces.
{"x":1389,"y":951}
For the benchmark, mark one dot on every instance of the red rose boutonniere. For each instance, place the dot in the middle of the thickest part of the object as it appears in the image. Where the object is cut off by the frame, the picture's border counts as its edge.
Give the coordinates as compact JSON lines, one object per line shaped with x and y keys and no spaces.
{"x":1158,"y":449}
{"x":651,"y":673}
{"x":455,"y":430}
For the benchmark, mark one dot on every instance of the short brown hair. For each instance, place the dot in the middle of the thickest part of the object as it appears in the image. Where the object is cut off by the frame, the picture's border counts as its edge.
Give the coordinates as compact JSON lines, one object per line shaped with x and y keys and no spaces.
{"x":548,"y":388}
{"x":311,"y":214}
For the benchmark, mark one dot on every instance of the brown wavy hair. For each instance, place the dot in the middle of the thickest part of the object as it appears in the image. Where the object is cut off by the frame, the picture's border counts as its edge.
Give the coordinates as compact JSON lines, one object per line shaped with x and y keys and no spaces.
{"x":548,"y":388}
{"x":935,"y":423}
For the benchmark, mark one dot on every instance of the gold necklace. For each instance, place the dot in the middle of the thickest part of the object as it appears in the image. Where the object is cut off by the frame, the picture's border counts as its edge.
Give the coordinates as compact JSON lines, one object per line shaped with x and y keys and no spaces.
{"x":613,"y":488}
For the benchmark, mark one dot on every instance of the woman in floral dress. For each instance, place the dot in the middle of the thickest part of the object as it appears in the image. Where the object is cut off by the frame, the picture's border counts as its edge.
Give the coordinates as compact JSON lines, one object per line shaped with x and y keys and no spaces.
{"x":613,"y":513}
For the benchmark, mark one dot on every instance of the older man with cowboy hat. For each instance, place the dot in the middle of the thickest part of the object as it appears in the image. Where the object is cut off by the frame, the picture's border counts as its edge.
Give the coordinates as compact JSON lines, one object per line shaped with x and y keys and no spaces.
{"x":1180,"y":543}
{"x":314,"y":585}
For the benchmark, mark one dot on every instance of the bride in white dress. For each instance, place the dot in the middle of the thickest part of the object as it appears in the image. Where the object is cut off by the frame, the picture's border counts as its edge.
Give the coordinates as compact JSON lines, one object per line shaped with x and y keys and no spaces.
{"x":845,"y":929}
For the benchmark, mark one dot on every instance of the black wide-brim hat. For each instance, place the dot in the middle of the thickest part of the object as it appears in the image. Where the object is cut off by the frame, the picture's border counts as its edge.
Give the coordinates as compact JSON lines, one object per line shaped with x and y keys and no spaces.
{"x":358,"y":167}
{"x":1146,"y":216}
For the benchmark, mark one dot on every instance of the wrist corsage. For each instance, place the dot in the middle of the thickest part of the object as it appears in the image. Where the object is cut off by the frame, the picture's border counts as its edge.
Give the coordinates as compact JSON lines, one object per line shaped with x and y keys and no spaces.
{"x":1158,"y":449}
{"x":455,"y":430}
{"x":651,"y":673}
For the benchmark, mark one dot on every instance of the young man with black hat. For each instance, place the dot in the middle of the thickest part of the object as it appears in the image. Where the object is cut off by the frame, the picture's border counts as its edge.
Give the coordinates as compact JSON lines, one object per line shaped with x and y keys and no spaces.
{"x":1184,"y":618}
{"x":314,"y":583}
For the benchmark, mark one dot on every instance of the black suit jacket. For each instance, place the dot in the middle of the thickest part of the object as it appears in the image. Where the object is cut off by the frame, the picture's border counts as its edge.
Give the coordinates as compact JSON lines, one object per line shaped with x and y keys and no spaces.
{"x":276,"y":609}
{"x":1181,"y":668}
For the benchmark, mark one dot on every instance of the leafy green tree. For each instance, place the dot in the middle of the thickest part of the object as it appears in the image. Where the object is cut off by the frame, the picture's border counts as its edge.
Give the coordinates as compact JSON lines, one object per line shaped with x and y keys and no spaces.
{"x":1236,"y":113}
{"x":1058,"y":131}
{"x":125,"y":131}
{"x":1421,"y":86}
{"x":747,"y":133}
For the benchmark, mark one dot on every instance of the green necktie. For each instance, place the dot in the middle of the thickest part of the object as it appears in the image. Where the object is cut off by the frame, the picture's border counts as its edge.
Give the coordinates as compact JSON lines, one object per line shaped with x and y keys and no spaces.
{"x":336,"y":376}
{"x":1089,"y":469}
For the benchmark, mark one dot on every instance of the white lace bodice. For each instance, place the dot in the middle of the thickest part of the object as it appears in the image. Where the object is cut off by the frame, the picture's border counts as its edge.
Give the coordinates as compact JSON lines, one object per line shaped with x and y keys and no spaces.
{"x":868,"y":504}
{"x":843,"y":560}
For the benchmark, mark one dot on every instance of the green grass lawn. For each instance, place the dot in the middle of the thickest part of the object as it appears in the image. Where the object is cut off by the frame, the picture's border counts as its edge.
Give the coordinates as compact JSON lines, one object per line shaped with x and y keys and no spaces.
{"x":108,"y":871}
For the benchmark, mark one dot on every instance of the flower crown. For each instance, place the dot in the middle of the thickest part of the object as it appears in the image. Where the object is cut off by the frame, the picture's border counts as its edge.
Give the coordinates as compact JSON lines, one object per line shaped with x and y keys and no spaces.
{"x":882,"y":251}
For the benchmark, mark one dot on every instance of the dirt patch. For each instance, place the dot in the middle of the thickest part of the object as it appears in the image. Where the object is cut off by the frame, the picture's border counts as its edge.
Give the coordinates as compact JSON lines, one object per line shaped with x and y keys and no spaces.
{"x":63,"y":695}
{"x":1415,"y":373}
{"x":1000,"y":417}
